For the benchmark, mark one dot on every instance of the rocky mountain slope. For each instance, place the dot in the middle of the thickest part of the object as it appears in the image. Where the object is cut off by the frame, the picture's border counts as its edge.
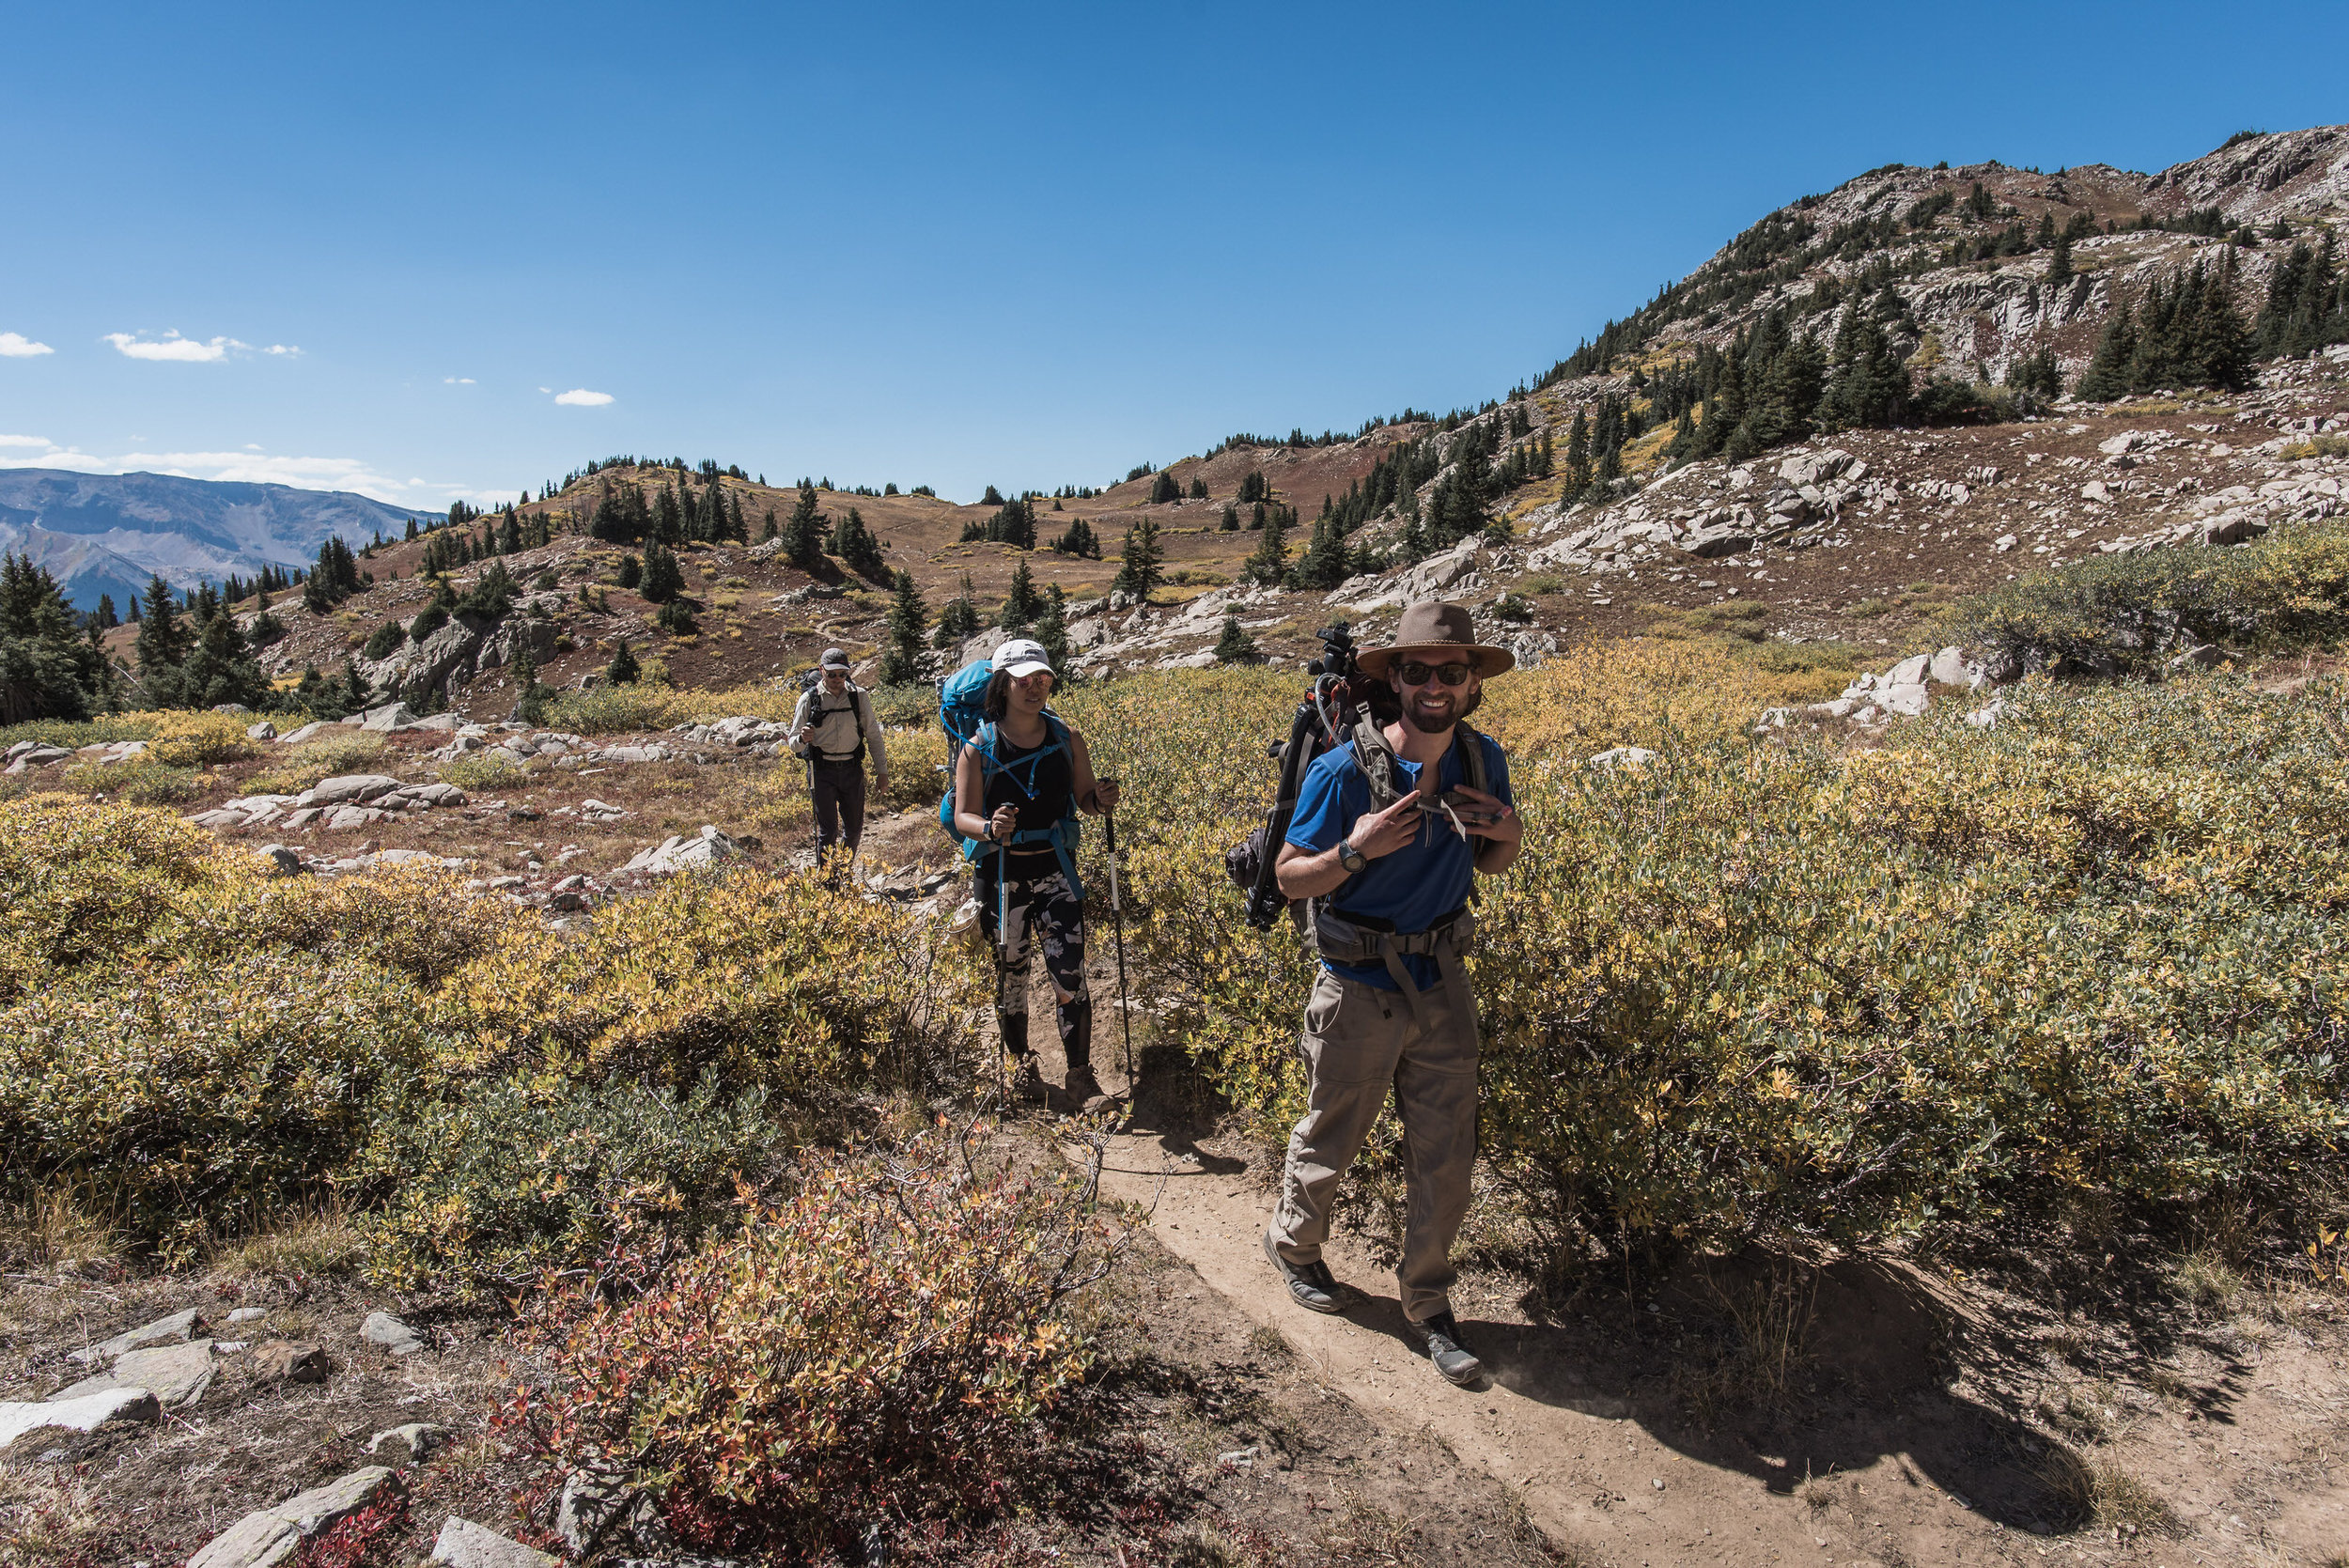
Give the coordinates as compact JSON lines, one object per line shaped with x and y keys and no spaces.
{"x":107,"y":533}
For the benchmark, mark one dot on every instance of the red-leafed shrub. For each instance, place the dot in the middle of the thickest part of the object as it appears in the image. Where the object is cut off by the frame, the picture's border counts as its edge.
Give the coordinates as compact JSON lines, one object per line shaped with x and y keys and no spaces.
{"x":890,"y":1342}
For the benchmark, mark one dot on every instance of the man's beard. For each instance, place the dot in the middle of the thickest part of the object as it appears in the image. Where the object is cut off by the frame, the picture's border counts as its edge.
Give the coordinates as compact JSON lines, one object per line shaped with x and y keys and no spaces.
{"x":1461,"y":709}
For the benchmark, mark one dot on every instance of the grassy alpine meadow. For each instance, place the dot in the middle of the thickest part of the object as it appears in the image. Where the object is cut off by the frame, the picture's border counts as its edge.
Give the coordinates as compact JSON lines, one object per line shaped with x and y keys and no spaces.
{"x":2091,"y":958}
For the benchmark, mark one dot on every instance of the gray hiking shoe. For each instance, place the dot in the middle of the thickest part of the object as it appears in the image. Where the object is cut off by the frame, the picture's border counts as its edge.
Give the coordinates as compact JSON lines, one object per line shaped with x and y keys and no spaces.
{"x":1455,"y":1362}
{"x":1311,"y":1285}
{"x":1085,"y":1091}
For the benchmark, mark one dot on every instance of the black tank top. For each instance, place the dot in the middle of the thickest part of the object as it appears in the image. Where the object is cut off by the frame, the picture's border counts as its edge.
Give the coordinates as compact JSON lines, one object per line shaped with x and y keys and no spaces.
{"x":1034,"y":781}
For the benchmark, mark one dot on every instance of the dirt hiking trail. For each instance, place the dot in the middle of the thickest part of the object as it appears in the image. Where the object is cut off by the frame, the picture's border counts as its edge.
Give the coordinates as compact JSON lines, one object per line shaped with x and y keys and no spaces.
{"x":1901,"y":1446}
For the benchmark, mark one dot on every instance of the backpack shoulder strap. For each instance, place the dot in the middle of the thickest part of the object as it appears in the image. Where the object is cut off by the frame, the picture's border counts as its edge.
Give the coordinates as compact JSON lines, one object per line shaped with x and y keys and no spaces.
{"x":1377,"y":760}
{"x":1472,"y":764}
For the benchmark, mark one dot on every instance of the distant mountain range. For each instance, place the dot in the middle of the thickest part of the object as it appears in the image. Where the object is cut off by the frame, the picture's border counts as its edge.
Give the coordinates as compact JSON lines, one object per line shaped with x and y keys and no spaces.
{"x":107,"y":532}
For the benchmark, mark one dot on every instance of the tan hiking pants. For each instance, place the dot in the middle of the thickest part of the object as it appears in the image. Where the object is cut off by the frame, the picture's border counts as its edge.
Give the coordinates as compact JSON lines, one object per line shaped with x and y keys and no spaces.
{"x":1359,"y":1041}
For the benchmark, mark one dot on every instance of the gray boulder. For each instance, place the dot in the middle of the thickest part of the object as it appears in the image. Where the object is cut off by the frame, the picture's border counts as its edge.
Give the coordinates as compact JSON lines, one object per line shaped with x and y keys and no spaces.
{"x":262,"y":731}
{"x":177,"y":1328}
{"x":382,"y":1328}
{"x":274,"y":1536}
{"x":347,"y":788}
{"x":389,"y":718}
{"x":699,"y":852}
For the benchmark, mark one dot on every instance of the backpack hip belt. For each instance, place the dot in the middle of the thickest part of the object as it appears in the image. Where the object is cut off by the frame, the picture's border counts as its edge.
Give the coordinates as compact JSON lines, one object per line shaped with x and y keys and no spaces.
{"x":1341,"y":937}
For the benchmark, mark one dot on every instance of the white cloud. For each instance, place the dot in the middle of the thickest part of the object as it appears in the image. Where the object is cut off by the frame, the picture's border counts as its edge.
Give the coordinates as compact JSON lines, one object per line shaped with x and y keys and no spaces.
{"x":187,"y":351}
{"x":18,"y":345}
{"x":457,"y":381}
{"x":250,"y":466}
{"x":579,"y":397}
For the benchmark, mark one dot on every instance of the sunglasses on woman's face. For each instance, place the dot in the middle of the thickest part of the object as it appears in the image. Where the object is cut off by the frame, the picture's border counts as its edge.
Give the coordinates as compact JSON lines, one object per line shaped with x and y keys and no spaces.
{"x":1413,"y":673}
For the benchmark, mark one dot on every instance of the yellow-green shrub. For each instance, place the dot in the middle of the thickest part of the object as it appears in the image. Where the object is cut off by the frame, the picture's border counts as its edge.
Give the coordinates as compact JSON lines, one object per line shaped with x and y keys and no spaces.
{"x":142,"y":781}
{"x":2098,"y":950}
{"x":200,"y":739}
{"x":297,"y":767}
{"x":762,"y":979}
{"x":81,"y":883}
{"x":182,"y":1096}
{"x":488,"y":1190}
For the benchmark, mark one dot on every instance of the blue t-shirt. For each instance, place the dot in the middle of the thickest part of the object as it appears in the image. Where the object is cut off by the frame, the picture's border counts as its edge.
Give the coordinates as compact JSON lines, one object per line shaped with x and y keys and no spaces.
{"x":1417,"y":885}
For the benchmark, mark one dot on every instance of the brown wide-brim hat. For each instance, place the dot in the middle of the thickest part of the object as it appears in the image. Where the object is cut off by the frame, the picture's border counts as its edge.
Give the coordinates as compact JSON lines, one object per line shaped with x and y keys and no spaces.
{"x":1437,"y":632}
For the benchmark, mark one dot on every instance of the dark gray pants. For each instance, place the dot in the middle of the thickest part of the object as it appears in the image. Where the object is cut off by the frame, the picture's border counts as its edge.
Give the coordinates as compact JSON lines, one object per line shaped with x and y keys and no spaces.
{"x":839,"y":788}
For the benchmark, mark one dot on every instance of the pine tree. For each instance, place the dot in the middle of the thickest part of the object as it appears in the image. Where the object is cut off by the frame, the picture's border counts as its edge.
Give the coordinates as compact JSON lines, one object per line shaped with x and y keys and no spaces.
{"x":908,"y":618}
{"x":1326,"y":561}
{"x":1165,"y":489}
{"x":2059,"y":261}
{"x":663,"y":580}
{"x":1021,"y":605}
{"x":1138,"y":562}
{"x":854,"y":543}
{"x":1269,"y":564}
{"x":1235,"y":646}
{"x":46,"y":670}
{"x":1578,"y":454}
{"x":959,"y":621}
{"x":2108,"y":373}
{"x":221,"y":670}
{"x":1231,"y":519}
{"x":1079,"y":539}
{"x":623,"y":670}
{"x":1051,"y":630}
{"x":163,"y":643}
{"x":803,"y":533}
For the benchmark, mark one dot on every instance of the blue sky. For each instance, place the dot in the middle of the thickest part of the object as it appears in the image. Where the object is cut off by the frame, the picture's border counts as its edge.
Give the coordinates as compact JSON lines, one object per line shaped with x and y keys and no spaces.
{"x":1029,"y":245}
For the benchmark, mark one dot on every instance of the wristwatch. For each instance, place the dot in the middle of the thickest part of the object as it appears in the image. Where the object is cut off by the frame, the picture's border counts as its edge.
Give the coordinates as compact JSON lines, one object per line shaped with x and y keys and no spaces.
{"x":1350,"y":857}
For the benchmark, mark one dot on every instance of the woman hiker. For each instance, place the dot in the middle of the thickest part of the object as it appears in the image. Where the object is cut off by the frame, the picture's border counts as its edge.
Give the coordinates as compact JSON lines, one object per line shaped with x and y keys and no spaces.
{"x":1019,"y":786}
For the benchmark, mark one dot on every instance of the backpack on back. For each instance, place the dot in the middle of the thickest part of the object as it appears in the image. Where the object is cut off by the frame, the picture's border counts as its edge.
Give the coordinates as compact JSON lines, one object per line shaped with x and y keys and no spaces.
{"x":962,"y":714}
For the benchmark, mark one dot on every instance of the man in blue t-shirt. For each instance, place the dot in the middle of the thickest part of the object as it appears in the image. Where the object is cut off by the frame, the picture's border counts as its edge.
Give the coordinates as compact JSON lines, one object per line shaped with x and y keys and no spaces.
{"x":1388,"y":832}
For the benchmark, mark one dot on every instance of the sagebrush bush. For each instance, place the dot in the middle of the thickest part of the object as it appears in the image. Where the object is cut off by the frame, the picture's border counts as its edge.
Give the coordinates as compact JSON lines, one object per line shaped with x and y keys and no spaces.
{"x":771,"y":980}
{"x":181,"y":1096}
{"x":142,"y":781}
{"x":295,"y":768}
{"x":489,"y":1191}
{"x":887,"y":1343}
{"x":1767,"y":990}
{"x":482,"y":774}
{"x":2126,"y":614}
{"x":196,"y":1043}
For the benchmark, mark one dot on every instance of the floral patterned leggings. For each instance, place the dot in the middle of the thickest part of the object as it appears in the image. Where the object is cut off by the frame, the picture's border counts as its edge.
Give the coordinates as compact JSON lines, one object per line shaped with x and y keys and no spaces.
{"x":1046,"y":908}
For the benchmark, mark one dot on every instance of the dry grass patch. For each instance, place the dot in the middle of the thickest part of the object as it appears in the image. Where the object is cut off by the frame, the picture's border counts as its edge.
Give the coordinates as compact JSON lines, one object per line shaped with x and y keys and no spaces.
{"x":2098,"y":1492}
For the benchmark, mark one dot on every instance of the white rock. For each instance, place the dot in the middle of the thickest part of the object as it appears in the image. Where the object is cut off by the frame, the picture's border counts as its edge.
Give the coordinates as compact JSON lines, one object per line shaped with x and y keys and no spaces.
{"x":262,"y":731}
{"x":462,"y":1544}
{"x":1622,"y":756}
{"x":1949,"y":668}
{"x":704,"y":849}
{"x":307,"y":732}
{"x":1908,"y":672}
{"x":84,"y":1413}
{"x":347,"y":787}
{"x":2096,"y":489}
{"x":1906,"y":699}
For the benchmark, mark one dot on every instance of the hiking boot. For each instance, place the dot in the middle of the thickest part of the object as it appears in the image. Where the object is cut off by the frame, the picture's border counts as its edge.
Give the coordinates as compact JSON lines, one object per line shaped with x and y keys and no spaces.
{"x":1455,"y":1362}
{"x":1027,"y":1082}
{"x":1311,"y":1285}
{"x":1083,"y":1090}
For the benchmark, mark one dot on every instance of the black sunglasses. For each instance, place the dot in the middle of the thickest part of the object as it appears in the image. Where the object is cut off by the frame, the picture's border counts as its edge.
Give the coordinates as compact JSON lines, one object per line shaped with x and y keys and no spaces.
{"x":1412,"y":673}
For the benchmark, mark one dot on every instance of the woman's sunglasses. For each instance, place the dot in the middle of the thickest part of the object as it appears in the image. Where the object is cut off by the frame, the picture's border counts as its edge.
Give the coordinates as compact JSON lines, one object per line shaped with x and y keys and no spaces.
{"x":1413,"y":673}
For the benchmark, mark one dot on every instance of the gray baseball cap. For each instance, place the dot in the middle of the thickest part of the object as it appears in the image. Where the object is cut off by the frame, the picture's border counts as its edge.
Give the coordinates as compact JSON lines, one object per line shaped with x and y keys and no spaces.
{"x":834,"y":659}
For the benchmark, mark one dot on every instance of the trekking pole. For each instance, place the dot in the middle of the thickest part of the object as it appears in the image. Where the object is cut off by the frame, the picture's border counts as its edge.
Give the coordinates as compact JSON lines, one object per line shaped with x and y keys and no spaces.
{"x":1117,"y":924}
{"x":1002,"y":969}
